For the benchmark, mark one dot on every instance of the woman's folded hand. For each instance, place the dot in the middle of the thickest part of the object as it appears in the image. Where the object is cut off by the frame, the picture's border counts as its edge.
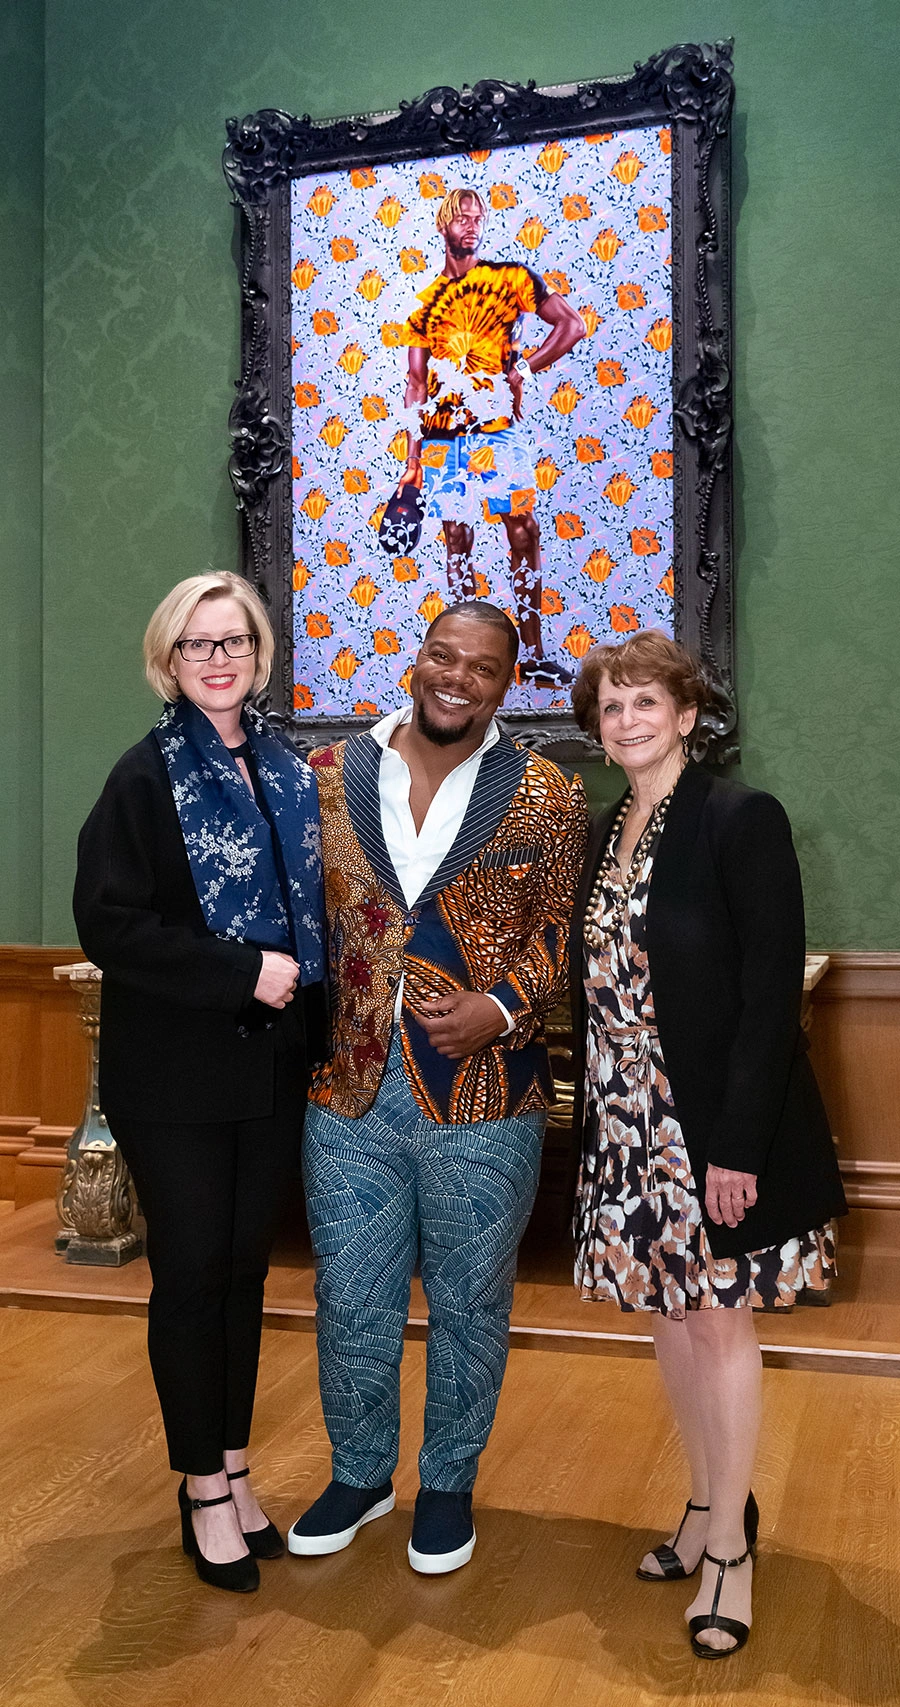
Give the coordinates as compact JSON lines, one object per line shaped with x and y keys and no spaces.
{"x":729,"y":1195}
{"x":277,"y":980}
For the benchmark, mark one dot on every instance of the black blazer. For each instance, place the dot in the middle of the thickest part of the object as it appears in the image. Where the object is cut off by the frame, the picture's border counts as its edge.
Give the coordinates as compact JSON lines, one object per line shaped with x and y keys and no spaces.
{"x":181,"y":1037}
{"x":726,"y":949}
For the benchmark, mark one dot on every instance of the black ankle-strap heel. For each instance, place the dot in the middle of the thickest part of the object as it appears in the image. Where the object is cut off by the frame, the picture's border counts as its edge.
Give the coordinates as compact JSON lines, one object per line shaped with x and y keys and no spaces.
{"x":265,"y":1543}
{"x":239,"y":1576}
{"x":713,"y":1620}
{"x":671,"y":1568}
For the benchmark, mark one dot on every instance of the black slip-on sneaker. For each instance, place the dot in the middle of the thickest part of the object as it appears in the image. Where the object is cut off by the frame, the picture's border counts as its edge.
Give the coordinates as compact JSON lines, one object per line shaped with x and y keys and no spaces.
{"x":443,"y":1536}
{"x":332,"y":1522}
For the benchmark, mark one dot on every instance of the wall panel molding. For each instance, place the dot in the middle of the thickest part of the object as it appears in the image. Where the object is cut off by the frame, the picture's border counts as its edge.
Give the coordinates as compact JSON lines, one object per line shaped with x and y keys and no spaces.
{"x":24,"y":967}
{"x":874,"y":976}
{"x":856,"y":1055}
{"x":872,"y":1185}
{"x":855,"y":1052}
{"x":43,"y":1052}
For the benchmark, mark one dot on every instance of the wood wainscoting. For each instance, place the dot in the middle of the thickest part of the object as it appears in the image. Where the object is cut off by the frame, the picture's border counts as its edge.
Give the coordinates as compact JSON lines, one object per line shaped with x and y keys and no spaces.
{"x":856,"y":1055}
{"x":43,"y":1071}
{"x":855,"y":1051}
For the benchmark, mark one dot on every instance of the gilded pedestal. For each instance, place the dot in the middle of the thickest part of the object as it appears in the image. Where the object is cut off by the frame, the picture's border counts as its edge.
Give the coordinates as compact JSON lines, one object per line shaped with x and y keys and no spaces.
{"x":96,"y":1201}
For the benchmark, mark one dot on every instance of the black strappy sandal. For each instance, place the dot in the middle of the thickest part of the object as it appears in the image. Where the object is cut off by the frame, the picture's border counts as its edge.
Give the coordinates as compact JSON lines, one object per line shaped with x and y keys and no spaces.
{"x":712,"y":1620}
{"x":265,"y":1543}
{"x":671,"y":1568}
{"x":240,"y":1576}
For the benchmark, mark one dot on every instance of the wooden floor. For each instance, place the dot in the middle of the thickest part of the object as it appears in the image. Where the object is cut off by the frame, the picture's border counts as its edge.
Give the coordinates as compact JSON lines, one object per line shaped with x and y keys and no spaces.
{"x":100,"y":1609}
{"x":859,"y":1333}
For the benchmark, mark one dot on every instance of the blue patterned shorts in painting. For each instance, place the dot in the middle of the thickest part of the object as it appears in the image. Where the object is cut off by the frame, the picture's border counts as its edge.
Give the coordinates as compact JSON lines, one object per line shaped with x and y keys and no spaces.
{"x":479,"y":475}
{"x":381,"y":1191}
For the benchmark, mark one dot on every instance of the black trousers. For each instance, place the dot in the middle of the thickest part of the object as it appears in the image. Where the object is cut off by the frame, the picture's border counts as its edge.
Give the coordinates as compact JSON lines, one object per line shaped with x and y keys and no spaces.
{"x":211,"y":1195}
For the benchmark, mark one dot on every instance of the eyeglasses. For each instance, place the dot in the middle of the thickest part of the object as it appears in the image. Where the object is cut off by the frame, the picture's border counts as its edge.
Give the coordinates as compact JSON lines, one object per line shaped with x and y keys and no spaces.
{"x":233,"y":646}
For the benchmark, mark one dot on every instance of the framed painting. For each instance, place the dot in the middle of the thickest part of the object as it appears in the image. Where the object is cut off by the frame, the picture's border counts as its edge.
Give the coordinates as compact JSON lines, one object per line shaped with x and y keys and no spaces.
{"x":486,"y":353}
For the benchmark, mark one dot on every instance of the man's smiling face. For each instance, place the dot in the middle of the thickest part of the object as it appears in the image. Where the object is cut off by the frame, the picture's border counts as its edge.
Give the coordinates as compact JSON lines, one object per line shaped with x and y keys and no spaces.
{"x":460,"y":679}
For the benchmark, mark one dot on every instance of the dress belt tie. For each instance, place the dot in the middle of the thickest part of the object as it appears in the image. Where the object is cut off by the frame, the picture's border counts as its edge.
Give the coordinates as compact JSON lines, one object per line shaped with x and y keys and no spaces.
{"x":633,"y":1047}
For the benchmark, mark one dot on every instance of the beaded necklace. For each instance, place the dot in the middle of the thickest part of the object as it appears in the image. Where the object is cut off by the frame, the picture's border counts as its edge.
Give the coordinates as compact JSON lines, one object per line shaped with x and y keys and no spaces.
{"x":598,"y":936}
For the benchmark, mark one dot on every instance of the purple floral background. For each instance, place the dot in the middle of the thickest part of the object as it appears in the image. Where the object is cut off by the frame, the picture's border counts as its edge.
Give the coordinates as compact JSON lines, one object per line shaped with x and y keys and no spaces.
{"x":593,"y":215}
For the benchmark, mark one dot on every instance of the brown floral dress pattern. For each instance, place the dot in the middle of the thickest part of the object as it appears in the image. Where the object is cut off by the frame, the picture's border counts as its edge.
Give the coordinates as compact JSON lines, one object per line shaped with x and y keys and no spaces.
{"x":640,"y":1239}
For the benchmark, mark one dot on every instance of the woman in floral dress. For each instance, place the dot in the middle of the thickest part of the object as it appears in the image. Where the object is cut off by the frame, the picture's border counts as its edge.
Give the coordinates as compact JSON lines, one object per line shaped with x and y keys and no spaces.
{"x":708,"y":1177}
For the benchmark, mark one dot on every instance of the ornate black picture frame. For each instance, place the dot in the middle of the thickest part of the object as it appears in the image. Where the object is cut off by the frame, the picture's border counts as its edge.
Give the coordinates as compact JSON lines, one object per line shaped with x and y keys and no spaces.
{"x":689,"y":90}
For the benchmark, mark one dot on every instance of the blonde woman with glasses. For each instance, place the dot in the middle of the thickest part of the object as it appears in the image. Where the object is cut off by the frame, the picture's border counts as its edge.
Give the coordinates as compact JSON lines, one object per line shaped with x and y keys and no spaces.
{"x":199,"y":895}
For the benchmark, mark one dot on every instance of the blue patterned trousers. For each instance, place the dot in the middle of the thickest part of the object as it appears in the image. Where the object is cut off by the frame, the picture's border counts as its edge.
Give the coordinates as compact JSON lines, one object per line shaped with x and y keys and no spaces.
{"x":381,"y":1191}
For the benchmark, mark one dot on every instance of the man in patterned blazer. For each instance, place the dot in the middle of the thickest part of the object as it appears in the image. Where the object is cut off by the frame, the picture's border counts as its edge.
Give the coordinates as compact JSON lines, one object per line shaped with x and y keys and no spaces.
{"x":451,"y":858}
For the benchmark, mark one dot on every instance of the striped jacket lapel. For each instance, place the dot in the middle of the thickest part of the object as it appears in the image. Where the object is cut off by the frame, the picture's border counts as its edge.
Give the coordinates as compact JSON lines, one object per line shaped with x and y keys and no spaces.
{"x":362,"y":761}
{"x":499,"y":776}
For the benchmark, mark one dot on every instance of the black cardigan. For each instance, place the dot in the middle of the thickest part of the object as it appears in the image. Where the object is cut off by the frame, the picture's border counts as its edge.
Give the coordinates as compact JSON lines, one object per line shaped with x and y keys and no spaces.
{"x":726,"y":950}
{"x":181,"y":1037}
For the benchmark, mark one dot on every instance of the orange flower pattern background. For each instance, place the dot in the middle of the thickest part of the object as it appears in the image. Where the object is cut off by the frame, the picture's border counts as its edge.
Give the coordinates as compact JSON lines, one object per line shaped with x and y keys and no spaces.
{"x":593,"y":217}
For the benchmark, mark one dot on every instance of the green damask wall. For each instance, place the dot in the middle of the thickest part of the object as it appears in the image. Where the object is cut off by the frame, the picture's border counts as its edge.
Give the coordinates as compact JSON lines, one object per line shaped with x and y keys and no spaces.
{"x":21,"y":247}
{"x":140,"y":341}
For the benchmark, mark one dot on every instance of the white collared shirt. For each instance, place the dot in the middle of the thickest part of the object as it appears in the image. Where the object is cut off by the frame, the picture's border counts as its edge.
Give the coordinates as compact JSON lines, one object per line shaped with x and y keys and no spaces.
{"x":416,"y":854}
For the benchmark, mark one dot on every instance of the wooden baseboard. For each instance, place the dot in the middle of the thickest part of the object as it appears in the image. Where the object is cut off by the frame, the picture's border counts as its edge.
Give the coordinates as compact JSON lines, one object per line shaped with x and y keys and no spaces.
{"x":9,"y":1154}
{"x":14,"y":1128}
{"x":38,"y":1172}
{"x":54,"y":1137}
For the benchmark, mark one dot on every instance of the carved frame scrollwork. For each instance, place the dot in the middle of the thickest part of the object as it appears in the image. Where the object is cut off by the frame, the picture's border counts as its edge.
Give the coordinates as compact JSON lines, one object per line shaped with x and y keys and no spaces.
{"x":689,"y":87}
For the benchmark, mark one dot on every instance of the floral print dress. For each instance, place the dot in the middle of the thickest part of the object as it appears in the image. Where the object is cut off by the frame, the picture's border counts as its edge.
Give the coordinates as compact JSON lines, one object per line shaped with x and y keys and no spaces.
{"x":640,"y":1239}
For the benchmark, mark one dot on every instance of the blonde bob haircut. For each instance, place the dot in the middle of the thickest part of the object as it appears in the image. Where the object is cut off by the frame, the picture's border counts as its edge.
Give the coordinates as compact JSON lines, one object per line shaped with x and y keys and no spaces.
{"x":452,"y":205}
{"x":171,"y":619}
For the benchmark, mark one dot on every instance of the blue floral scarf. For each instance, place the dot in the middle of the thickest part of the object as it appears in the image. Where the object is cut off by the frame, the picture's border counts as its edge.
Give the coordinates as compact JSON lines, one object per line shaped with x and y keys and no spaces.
{"x":229,"y":843}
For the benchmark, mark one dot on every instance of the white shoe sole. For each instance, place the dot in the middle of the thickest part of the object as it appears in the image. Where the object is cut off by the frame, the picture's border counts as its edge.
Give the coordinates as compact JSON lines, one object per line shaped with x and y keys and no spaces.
{"x":438,"y":1564}
{"x":316,"y":1546}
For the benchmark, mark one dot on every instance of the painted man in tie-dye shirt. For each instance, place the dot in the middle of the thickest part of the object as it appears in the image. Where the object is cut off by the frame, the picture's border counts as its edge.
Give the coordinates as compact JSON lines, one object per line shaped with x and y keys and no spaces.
{"x":466,"y":381}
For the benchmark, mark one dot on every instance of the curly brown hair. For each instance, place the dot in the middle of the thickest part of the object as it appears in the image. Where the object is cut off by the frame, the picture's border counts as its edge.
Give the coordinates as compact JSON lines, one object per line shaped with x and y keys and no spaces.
{"x":649,"y":656}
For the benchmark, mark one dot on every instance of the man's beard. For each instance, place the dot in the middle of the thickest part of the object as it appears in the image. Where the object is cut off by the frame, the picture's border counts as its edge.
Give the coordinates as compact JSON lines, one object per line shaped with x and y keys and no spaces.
{"x":440,"y":736}
{"x":462,"y":251}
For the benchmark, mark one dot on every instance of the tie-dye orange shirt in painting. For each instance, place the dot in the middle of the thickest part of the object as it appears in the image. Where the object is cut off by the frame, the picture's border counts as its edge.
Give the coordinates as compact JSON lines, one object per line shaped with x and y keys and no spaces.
{"x":472,"y":322}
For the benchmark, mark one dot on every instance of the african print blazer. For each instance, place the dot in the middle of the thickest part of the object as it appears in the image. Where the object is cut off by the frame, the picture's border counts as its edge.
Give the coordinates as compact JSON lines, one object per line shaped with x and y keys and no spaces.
{"x":494,"y":918}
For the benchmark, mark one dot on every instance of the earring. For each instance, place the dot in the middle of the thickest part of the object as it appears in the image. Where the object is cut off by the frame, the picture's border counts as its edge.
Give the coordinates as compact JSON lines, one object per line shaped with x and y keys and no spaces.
{"x":606,"y":760}
{"x":686,"y":746}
